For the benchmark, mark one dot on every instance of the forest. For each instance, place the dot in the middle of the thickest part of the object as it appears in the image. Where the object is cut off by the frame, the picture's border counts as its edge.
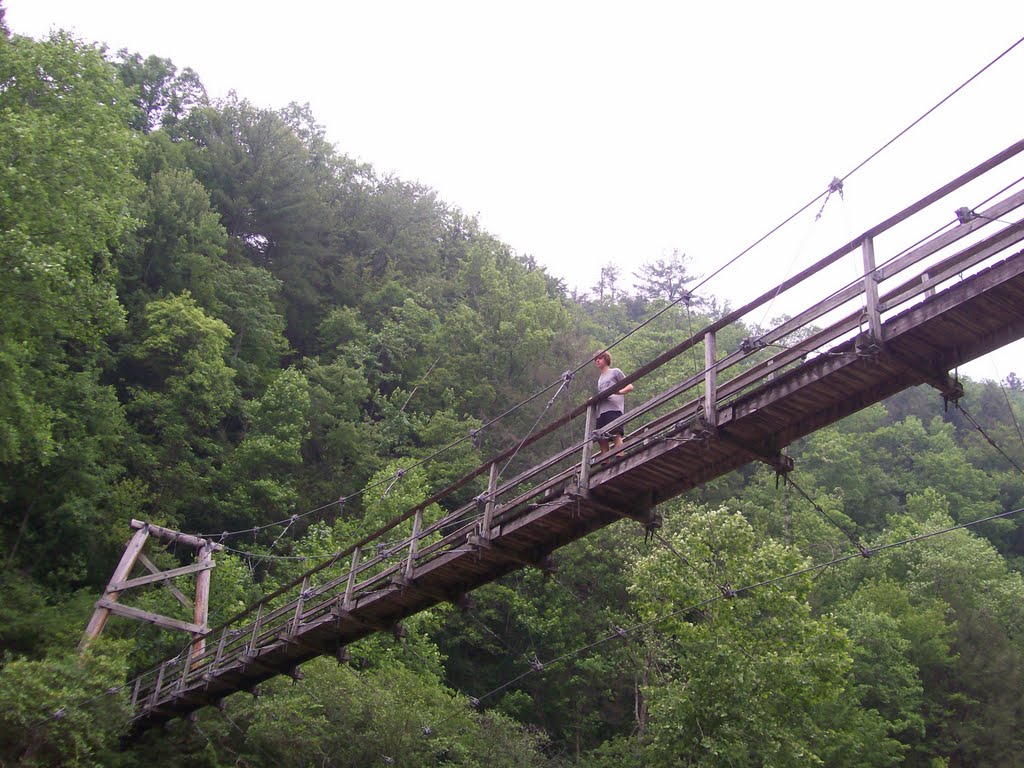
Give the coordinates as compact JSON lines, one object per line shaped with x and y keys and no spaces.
{"x":214,"y":320}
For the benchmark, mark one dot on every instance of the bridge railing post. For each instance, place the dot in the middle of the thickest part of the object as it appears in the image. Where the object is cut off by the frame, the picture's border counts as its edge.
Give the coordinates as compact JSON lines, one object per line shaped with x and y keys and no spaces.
{"x":346,"y":601}
{"x":488,"y":512}
{"x":871,"y":290}
{"x":588,"y":447}
{"x":710,"y":379}
{"x":254,"y":638}
{"x":414,"y":543}
{"x":185,"y":669}
{"x":155,"y":696}
{"x":299,"y":604}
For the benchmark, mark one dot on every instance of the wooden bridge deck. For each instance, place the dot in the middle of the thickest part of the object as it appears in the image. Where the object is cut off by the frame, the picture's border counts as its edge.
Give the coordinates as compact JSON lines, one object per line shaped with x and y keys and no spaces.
{"x":910,"y":321}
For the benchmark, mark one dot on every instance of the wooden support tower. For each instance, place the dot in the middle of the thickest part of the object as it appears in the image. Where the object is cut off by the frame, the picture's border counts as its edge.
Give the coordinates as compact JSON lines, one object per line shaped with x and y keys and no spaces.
{"x":120,"y":582}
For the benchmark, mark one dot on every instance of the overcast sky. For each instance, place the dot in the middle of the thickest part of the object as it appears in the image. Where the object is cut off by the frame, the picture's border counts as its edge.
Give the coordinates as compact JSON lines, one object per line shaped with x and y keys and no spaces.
{"x":591,"y":133}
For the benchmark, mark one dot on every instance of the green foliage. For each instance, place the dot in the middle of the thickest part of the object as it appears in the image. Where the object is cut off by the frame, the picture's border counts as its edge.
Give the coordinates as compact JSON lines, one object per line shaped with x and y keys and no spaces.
{"x":164,"y":96}
{"x":65,"y":163}
{"x":63,"y":710}
{"x":751,"y":680}
{"x":259,"y":474}
{"x":340,"y":716}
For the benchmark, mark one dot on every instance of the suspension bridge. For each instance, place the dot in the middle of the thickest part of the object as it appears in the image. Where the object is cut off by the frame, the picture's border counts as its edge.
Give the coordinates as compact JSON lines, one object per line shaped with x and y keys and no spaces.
{"x":934,"y":302}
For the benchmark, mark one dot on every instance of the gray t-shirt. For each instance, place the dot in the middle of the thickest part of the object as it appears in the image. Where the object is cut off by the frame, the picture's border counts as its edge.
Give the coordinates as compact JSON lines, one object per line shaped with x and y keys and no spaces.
{"x":607,"y":378}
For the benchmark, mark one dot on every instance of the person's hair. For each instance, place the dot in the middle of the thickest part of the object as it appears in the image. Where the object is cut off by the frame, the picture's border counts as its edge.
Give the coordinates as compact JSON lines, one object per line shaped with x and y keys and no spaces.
{"x":606,"y":355}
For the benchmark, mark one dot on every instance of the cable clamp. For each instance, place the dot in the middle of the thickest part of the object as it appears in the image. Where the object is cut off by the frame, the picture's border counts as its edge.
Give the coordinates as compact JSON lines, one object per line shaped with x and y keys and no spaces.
{"x":965,"y":214}
{"x":427,"y":730}
{"x":568,"y":376}
{"x":537,"y":664}
{"x":621,"y":632}
{"x":750,"y":345}
{"x":474,"y":702}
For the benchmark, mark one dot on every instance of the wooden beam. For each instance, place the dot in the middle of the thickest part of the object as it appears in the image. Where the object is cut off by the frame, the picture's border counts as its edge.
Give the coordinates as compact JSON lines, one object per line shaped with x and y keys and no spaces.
{"x":151,"y":567}
{"x":202,"y":607}
{"x":110,"y":595}
{"x":340,"y":615}
{"x":175,"y":537}
{"x":164,"y":576}
{"x":152,"y":618}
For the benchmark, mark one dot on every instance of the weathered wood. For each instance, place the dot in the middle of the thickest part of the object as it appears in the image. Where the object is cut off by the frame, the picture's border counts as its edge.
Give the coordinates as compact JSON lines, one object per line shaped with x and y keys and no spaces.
{"x":874,"y":317}
{"x":588,"y":448}
{"x":710,"y":378}
{"x":346,"y":603}
{"x":488,"y":516}
{"x":297,"y":616}
{"x":178,"y":594}
{"x":184,"y":570}
{"x":414,"y":542}
{"x":203,"y":597}
{"x":110,"y":595}
{"x":149,"y":617}
{"x":175,"y":537}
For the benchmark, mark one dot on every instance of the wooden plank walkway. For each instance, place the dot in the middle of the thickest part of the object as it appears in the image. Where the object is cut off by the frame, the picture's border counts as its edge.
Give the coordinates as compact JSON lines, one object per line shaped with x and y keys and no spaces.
{"x":929,"y":309}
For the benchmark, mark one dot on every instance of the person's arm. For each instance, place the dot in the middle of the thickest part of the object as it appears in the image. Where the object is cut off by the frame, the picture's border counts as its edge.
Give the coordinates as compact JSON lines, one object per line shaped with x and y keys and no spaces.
{"x":626,"y":389}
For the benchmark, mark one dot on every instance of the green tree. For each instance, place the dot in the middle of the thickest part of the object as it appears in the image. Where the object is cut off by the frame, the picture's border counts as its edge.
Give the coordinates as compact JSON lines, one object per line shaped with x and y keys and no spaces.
{"x":259,"y":476}
{"x":749,"y":681}
{"x":163,"y":95}
{"x":65,"y":171}
{"x":63,"y":710}
{"x":180,"y":391}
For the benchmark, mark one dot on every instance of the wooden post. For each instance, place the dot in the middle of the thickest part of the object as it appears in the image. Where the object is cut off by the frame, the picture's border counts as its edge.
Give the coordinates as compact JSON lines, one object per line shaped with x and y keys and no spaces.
{"x":414,"y":542}
{"x":297,"y":618}
{"x":488,"y":518}
{"x":202,"y":607}
{"x":254,"y":638}
{"x":346,"y":602}
{"x":220,"y":651}
{"x":156,"y":688}
{"x":871,"y":290}
{"x":186,"y":666}
{"x":121,"y":573}
{"x":710,"y":379}
{"x":588,"y":448}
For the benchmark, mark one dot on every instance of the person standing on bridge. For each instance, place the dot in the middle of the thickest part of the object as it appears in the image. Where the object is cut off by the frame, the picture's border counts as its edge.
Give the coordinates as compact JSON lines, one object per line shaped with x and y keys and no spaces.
{"x":609,"y":409}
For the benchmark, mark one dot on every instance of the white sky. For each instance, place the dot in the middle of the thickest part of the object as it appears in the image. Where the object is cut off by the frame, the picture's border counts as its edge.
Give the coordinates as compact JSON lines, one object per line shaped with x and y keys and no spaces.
{"x":589,"y":133}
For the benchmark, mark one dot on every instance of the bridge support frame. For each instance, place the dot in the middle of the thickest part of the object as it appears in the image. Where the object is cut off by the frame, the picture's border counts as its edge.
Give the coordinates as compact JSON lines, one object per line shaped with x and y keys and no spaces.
{"x":119,"y":583}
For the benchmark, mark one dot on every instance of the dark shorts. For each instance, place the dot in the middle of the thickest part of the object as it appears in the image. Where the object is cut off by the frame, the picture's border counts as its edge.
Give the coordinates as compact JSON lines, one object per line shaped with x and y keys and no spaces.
{"x":607,"y":418}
